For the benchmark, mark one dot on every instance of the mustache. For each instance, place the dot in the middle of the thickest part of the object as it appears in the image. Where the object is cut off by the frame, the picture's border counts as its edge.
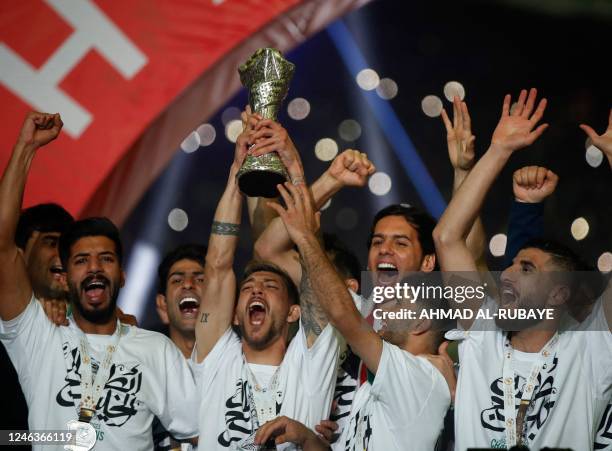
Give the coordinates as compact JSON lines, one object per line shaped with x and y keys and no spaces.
{"x":94,"y":278}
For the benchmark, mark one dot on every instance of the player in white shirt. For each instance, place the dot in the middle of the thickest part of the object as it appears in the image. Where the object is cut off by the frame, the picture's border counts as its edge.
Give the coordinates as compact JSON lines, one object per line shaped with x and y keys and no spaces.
{"x":111,"y":377}
{"x":530,"y":383}
{"x":248,"y":371}
{"x":405,"y":405}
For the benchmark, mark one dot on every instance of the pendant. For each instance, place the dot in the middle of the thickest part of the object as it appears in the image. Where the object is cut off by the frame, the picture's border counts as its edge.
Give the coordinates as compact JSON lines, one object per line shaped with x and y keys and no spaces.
{"x":83,"y":438}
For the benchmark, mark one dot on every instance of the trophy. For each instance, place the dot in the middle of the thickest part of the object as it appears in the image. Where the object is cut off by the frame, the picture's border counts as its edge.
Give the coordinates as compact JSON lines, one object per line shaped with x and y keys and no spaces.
{"x":266,"y":75}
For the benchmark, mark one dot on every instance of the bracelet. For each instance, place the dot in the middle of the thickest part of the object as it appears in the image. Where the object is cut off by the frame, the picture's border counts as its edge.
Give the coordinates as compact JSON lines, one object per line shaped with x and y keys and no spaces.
{"x":225,"y":228}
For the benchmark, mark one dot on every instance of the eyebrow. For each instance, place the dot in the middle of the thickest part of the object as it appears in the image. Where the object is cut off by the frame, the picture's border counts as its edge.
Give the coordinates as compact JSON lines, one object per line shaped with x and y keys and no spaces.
{"x":382,"y":235}
{"x":182,"y":273}
{"x":527,"y":263}
{"x":87,"y":254}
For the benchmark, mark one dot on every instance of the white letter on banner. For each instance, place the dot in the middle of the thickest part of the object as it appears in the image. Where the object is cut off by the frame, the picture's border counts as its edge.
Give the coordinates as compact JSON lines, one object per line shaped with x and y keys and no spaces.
{"x":92,"y":30}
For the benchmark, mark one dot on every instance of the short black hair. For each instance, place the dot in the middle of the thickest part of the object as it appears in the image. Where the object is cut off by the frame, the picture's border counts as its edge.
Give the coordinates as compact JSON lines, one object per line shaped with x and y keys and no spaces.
{"x":561,"y":255}
{"x":85,"y":228}
{"x":41,"y":218}
{"x":191,"y":251}
{"x":258,"y":266}
{"x":422,"y":221}
{"x":344,"y":260}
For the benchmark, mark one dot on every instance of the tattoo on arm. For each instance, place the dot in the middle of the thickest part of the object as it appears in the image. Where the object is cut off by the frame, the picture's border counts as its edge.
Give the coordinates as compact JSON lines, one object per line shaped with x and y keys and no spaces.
{"x":204,"y":317}
{"x":225,"y":228}
{"x":313,"y":317}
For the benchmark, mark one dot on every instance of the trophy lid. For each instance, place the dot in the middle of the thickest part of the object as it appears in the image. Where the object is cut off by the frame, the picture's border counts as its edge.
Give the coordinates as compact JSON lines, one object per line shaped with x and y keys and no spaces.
{"x":265,"y":65}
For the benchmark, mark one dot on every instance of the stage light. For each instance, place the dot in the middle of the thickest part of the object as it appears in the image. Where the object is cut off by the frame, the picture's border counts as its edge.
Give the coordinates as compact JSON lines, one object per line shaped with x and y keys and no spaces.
{"x":497,"y":244}
{"x":387,"y":89}
{"x":604,"y":262}
{"x":142,"y":268}
{"x":431,"y":105}
{"x":326,"y":149}
{"x":379,"y":183}
{"x":298,"y":109}
{"x":326,"y":205}
{"x":233,"y":130}
{"x":346,"y":218}
{"x":349,"y":130}
{"x":207,"y":134}
{"x":178,"y":219}
{"x":230,"y":114}
{"x":580,"y":228}
{"x":593,"y":155}
{"x":454,"y":89}
{"x":191,"y":143}
{"x":367,"y":79}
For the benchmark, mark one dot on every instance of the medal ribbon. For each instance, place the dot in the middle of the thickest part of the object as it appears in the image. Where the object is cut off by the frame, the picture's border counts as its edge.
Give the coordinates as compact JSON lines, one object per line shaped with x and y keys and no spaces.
{"x":514,"y":423}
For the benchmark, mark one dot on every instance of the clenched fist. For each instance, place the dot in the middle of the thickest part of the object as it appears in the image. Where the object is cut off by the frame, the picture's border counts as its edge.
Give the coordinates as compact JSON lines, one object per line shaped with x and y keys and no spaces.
{"x":533,"y":184}
{"x":351,"y":168}
{"x":39,"y":129}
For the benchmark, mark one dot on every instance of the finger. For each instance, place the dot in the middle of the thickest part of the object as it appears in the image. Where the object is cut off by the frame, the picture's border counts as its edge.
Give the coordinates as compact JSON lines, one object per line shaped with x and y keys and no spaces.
{"x":541,"y":176}
{"x":516,"y":177}
{"x":552,"y":177}
{"x":318,"y":220}
{"x":506,"y":105}
{"x":264,"y":147}
{"x":520,"y":103}
{"x":248,"y":110}
{"x":327,"y":433}
{"x":534,"y":135}
{"x":329,"y":424}
{"x":58,"y":120}
{"x":305,"y":194}
{"x":446,"y":120}
{"x":261,"y":133}
{"x":465,"y":115}
{"x":533,"y":93}
{"x":589,"y":131}
{"x":267,"y":123}
{"x":532,"y":172}
{"x":522,"y":175}
{"x":539,"y":112}
{"x":296,"y":195}
{"x":456,"y":113}
{"x":285,"y":195}
{"x":347,"y":158}
{"x":277,"y":208}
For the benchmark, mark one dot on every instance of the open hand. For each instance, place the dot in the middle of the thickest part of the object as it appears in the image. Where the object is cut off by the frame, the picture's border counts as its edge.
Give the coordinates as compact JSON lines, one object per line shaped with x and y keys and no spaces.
{"x":459,"y":136}
{"x":516,"y":130}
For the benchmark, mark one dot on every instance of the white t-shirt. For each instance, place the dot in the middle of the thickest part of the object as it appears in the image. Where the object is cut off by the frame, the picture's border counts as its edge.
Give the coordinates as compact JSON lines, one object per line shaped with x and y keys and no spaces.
{"x":569,"y":398}
{"x":402,"y":409}
{"x":305,"y":385}
{"x":149,"y":377}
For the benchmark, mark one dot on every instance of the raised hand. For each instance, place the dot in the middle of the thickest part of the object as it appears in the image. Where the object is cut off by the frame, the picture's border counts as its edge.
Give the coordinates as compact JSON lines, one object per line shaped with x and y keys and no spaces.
{"x":351,"y":168}
{"x":445,"y":365}
{"x":533,"y":184}
{"x":269,"y":136}
{"x":604,"y":141}
{"x":515,"y":130}
{"x":39,"y":129}
{"x":299,"y":216}
{"x":459,"y":136}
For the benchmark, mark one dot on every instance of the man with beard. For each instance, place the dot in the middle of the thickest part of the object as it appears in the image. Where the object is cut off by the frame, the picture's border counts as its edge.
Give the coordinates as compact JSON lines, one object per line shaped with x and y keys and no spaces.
{"x":403,"y":404}
{"x":250,"y":376}
{"x":528,"y":383}
{"x":179,"y":292}
{"x":98,"y":376}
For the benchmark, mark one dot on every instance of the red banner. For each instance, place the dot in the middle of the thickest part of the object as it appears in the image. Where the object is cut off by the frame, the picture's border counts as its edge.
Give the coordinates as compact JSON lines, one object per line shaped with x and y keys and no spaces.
{"x":131,"y":79}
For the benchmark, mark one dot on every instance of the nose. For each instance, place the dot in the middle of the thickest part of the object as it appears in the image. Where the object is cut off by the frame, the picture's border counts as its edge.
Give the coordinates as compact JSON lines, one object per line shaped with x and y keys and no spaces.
{"x":188,"y":283}
{"x":257,"y":288}
{"x":93,"y":266}
{"x":508,"y":274}
{"x":385,"y":248}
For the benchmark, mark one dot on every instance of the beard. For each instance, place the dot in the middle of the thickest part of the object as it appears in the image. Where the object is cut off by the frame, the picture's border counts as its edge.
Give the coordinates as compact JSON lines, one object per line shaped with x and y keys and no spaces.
{"x":259,"y":344}
{"x":98,"y":316}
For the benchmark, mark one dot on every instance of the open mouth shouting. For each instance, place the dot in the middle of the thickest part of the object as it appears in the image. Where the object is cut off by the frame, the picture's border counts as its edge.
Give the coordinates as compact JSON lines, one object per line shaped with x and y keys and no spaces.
{"x":95,"y":288}
{"x":508,"y":295}
{"x":56,"y":272}
{"x":189,"y":307}
{"x":256,"y":312}
{"x":386,"y":272}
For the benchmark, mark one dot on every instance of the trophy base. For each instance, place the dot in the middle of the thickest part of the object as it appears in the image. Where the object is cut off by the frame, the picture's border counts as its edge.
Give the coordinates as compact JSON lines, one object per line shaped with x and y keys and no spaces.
{"x":260,"y":183}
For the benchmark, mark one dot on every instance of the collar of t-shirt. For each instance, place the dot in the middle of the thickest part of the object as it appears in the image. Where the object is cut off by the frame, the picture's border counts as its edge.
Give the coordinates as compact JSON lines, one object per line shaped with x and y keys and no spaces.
{"x":263,"y":373}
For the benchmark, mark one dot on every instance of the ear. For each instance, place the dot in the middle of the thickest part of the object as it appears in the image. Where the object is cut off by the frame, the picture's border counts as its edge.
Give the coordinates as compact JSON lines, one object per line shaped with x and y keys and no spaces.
{"x":294,"y":313}
{"x":162,"y":308}
{"x":429,"y":263}
{"x":421,"y":326}
{"x":235,"y":320}
{"x":353,"y":284}
{"x":559,"y":295}
{"x":122,"y":279}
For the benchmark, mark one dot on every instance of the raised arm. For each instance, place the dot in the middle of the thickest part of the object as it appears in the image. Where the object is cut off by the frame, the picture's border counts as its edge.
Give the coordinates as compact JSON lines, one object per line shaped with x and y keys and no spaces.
{"x":531,"y":186}
{"x":350,"y":168}
{"x":604,"y":141}
{"x":15,"y":290}
{"x":461,"y":152}
{"x":217,"y":305}
{"x":514,"y":131}
{"x":330,"y":300}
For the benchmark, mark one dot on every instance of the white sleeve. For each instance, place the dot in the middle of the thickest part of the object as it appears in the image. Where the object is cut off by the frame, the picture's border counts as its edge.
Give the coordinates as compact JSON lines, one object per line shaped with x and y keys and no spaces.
{"x":25,"y":337}
{"x":598,"y":346}
{"x":410,"y":387}
{"x":319,"y":362}
{"x":177,"y":409}
{"x":205,"y":371}
{"x":482,"y":328}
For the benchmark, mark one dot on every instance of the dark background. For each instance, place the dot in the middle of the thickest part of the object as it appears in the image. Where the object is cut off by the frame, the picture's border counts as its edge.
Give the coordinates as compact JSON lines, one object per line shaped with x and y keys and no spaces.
{"x":492,"y":49}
